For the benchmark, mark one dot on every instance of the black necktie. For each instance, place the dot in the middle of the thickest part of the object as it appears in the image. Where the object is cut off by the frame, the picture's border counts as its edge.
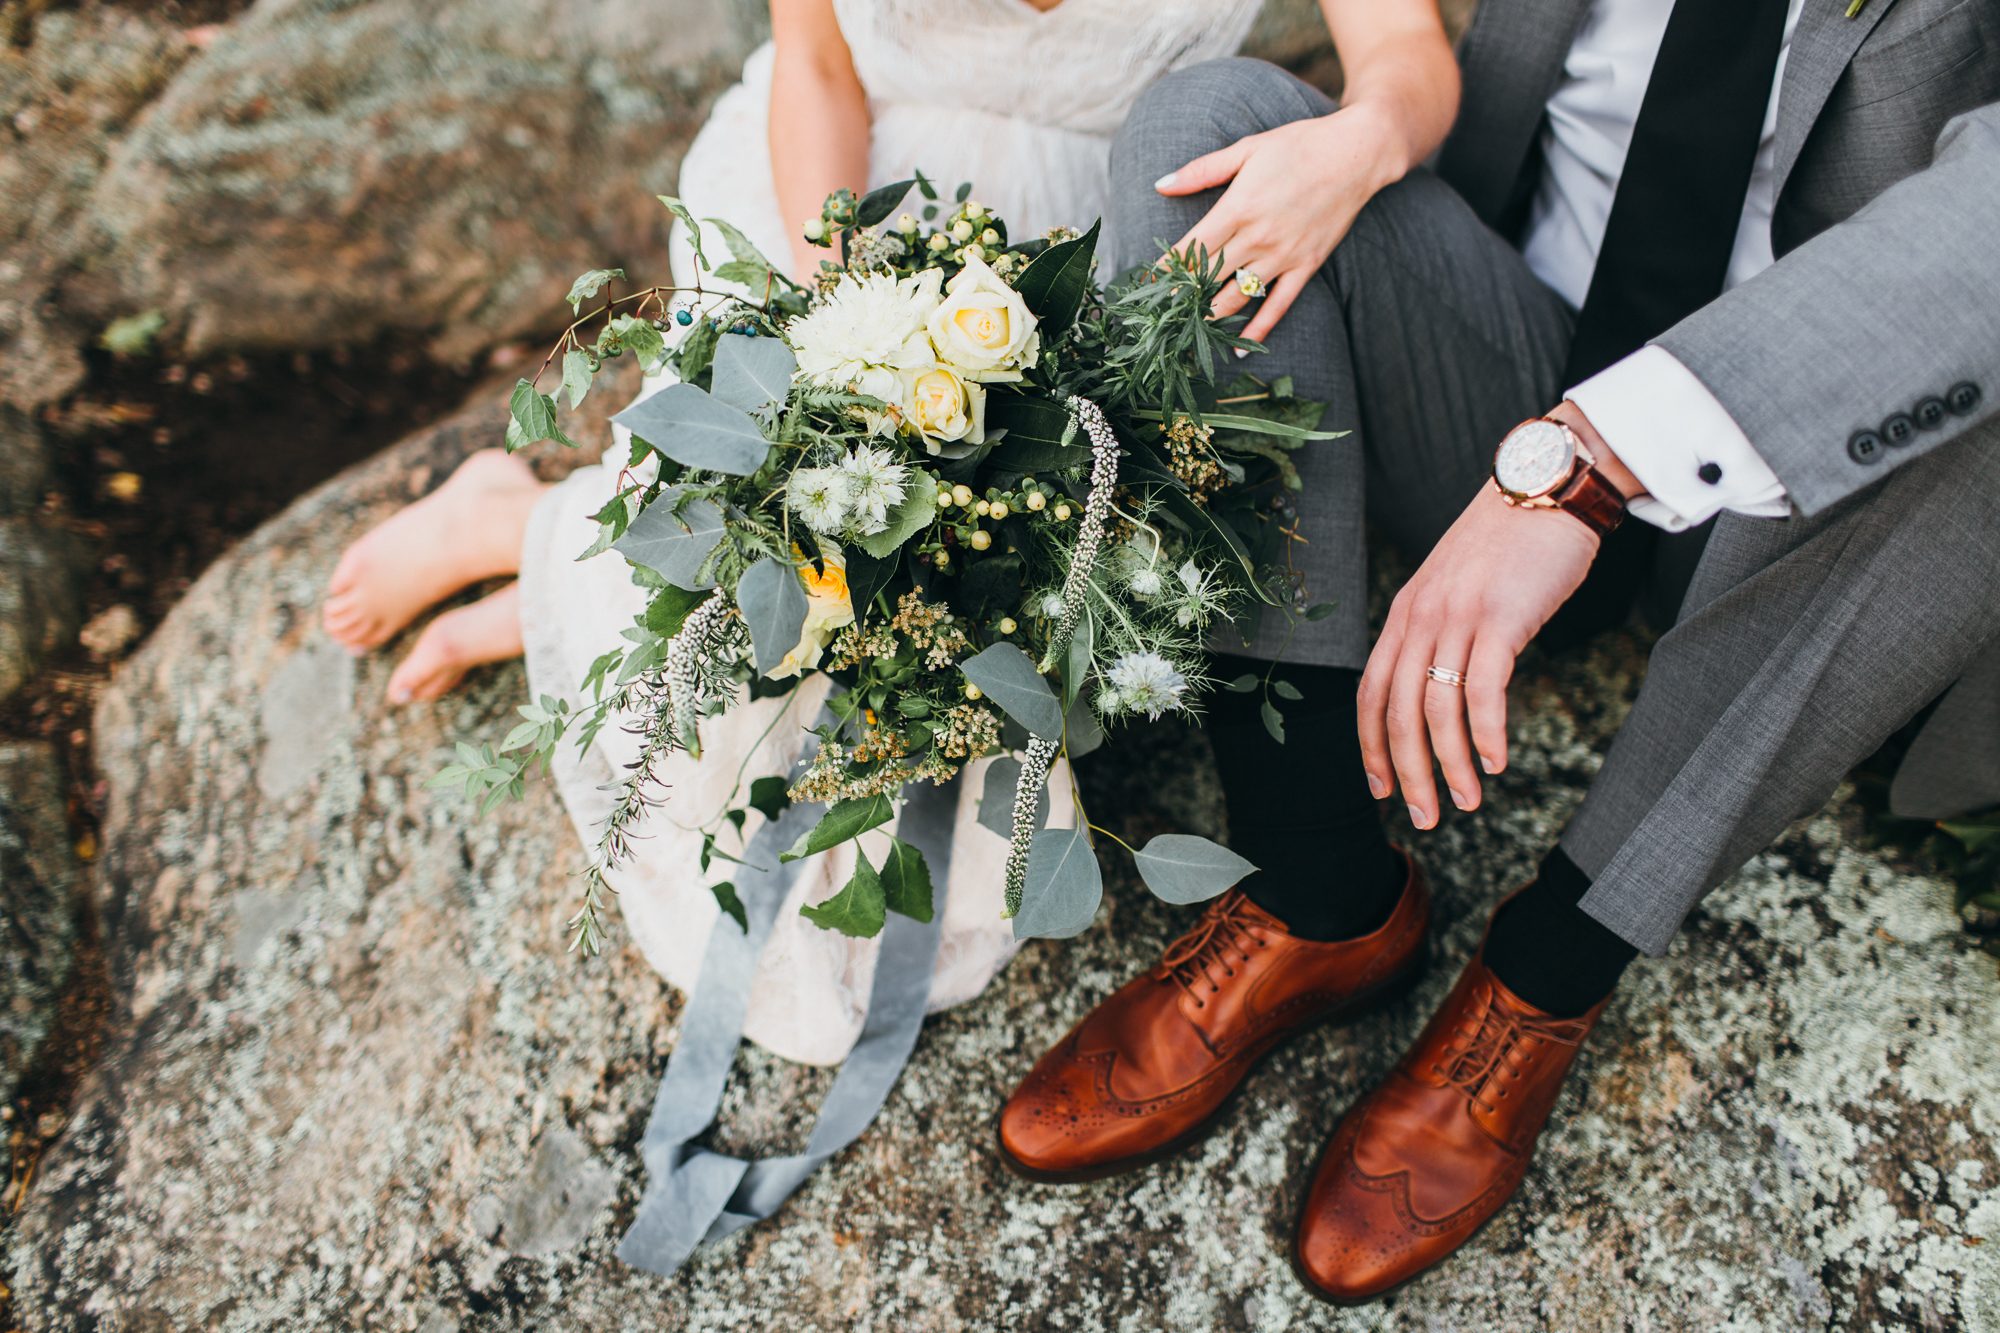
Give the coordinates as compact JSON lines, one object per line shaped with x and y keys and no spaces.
{"x":1680,"y":197}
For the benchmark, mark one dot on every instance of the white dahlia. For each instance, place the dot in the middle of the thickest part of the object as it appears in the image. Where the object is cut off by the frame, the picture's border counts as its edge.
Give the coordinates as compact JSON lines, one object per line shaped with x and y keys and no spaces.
{"x":866,"y":323}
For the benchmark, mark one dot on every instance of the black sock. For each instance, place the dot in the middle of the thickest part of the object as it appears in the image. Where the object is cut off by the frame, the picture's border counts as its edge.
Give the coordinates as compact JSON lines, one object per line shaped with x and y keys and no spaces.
{"x":1549,"y":951}
{"x":1301,"y":811}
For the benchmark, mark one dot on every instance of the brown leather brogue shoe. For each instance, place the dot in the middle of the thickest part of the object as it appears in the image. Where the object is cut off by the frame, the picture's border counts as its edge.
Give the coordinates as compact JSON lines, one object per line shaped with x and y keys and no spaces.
{"x":1148,"y":1071}
{"x":1421,"y":1163}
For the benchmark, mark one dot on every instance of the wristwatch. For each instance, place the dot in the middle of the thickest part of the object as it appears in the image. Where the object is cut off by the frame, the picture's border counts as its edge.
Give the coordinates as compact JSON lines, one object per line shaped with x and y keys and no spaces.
{"x":1543,"y":465}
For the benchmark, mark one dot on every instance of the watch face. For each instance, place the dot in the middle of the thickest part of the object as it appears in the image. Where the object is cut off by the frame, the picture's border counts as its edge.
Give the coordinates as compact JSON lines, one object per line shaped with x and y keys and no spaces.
{"x":1534,"y":459}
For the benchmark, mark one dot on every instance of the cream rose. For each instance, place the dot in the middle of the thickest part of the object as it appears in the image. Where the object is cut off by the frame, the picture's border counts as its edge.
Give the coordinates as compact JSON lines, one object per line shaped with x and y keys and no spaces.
{"x":828,"y":609}
{"x":944,"y":405}
{"x":982,"y":328}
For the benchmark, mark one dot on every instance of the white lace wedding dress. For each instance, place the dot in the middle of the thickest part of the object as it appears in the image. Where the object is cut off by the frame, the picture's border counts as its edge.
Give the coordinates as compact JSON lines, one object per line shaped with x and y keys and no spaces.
{"x":1022,"y":103}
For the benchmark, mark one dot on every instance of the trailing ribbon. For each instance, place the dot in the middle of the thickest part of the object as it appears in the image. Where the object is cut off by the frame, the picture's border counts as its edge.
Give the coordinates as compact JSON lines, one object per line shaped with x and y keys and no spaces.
{"x":694,"y":1196}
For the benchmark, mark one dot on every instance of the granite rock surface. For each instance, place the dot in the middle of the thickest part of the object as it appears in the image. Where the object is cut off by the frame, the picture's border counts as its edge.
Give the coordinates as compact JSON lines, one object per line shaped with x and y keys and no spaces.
{"x":41,"y":562}
{"x":356,"y":1082}
{"x":40,"y":892}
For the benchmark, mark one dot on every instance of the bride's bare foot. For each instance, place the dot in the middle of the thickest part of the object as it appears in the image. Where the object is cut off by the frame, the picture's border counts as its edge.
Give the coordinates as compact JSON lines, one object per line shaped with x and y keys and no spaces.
{"x":469,"y":529}
{"x":487,"y":631}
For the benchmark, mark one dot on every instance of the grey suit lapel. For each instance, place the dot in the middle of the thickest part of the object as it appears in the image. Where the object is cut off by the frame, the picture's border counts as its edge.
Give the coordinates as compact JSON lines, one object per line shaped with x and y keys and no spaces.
{"x":1825,"y":40}
{"x":1512,"y":61}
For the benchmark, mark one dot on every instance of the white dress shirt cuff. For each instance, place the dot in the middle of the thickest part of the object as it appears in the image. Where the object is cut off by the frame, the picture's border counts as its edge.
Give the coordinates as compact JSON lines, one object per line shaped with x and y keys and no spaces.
{"x":1682,"y":445}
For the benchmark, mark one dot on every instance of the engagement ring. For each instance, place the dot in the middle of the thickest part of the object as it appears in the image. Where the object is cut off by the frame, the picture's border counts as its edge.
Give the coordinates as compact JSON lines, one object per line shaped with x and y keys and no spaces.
{"x":1446,"y":676}
{"x":1249,"y":283}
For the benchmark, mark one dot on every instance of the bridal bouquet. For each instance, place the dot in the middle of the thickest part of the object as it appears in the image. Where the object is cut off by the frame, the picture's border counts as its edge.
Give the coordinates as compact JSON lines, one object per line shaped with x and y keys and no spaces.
{"x":997,"y":503}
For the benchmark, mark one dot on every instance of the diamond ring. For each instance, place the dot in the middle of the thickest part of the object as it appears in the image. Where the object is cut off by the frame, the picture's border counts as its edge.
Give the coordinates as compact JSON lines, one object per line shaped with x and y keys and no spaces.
{"x":1446,"y":676}
{"x":1250,"y":284}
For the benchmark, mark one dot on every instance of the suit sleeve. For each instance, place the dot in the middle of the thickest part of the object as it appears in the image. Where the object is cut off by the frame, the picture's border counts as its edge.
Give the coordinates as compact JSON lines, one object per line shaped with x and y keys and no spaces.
{"x":1877,"y":340}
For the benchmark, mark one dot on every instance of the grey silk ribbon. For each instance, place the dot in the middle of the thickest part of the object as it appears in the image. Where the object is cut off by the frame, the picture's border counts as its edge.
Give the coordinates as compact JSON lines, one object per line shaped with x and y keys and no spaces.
{"x":694,"y":1196}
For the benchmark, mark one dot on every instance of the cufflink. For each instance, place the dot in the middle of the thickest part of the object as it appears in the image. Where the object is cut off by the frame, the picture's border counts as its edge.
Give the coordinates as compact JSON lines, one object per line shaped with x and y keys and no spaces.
{"x":1709,"y":472}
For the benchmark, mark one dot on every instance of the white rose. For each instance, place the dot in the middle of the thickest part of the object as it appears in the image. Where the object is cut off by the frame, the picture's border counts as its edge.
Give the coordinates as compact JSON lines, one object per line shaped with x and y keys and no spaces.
{"x":886,"y":385}
{"x":870,"y":323}
{"x":828,"y":610}
{"x":944,"y":406}
{"x":983,"y":328}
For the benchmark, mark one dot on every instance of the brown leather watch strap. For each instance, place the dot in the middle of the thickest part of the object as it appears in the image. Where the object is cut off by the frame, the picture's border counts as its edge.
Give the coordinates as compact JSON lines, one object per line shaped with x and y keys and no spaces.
{"x":1592,"y":498}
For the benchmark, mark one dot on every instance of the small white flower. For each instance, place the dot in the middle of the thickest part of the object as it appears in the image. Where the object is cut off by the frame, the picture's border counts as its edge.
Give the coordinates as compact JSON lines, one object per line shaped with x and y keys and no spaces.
{"x":1146,"y":683}
{"x":1191,"y":578}
{"x":1052,"y":604}
{"x":875,"y":485}
{"x":820,"y":496}
{"x":1146,"y":581}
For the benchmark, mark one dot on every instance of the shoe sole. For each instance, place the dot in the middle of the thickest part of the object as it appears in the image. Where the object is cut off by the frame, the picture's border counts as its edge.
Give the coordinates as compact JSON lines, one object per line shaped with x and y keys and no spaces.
{"x":1335,"y":1015}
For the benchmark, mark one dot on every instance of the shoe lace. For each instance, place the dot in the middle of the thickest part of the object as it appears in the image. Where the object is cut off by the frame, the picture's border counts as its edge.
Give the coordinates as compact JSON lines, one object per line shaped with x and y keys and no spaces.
{"x":1477,"y":1052}
{"x":1187,"y":959}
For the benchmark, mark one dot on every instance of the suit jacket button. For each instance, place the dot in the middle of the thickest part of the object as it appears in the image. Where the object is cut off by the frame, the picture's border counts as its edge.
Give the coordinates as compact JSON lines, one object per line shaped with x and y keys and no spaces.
{"x":1898,"y":430}
{"x":1709,"y":472}
{"x":1865,"y":448}
{"x":1962,"y":398}
{"x":1930,"y":413}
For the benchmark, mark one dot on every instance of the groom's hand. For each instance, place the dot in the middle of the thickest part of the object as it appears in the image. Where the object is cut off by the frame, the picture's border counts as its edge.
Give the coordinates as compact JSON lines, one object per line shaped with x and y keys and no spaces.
{"x":1487,"y":587}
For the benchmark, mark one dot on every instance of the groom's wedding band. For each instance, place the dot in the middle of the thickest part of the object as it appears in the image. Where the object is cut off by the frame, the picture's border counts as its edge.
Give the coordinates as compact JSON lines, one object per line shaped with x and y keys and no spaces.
{"x":1249,"y":283}
{"x":1446,"y":676}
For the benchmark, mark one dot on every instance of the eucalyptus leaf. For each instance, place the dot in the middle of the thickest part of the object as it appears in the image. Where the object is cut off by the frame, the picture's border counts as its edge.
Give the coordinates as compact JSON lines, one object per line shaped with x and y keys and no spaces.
{"x":752,"y":372}
{"x":846,"y":819}
{"x":1063,"y":887}
{"x":576,"y":376}
{"x":1274,"y":722}
{"x":1082,"y":641}
{"x":1321,"y":610}
{"x":996,"y":797}
{"x":1008,"y":677}
{"x":906,"y":881}
{"x":774,"y":606}
{"x":1243,"y":684}
{"x":917,"y":511}
{"x":1284,"y":689}
{"x":726,"y":899}
{"x":673,"y":547}
{"x":858,"y":909}
{"x":1081,"y":732}
{"x":698,"y":430}
{"x":1182,"y":868}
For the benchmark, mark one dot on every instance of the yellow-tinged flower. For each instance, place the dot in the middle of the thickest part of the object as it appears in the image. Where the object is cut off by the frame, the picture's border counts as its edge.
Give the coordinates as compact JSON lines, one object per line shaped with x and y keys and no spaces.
{"x":983,"y":328}
{"x":828,"y":609}
{"x":944,"y":405}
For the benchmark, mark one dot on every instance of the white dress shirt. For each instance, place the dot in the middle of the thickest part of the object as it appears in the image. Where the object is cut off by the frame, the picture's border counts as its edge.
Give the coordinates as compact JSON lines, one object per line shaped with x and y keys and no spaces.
{"x":1665,"y":426}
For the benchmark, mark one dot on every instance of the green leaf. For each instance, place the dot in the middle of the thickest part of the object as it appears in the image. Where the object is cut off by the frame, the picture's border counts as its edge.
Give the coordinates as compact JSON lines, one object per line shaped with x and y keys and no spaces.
{"x":1054,"y":285}
{"x":1182,"y":868}
{"x":928,"y":190}
{"x":589,"y":285}
{"x":668,"y":610}
{"x":991,"y":585}
{"x":1217,"y":536}
{"x":1037,"y":429}
{"x":906,"y":881}
{"x":132,"y":335}
{"x":858,"y":909}
{"x":1321,"y":610}
{"x":1063,"y":887}
{"x":641,"y":339}
{"x":1255,"y":426}
{"x":846,"y":819}
{"x":1243,"y":684}
{"x":867,"y":575}
{"x":1081,"y":732}
{"x":1077,"y":668}
{"x":1286,"y":690}
{"x":698,"y":430}
{"x":774,"y":606}
{"x":673,"y":546}
{"x":576,"y":376}
{"x":533,"y":416}
{"x":759,"y":278}
{"x":751,"y":373}
{"x":917,"y":511}
{"x":769,"y":797}
{"x":964,"y":191}
{"x":877,"y":205}
{"x":1008,"y":677}
{"x":1974,"y":836}
{"x":679,"y":210}
{"x":726,"y":899}
{"x":997,"y":795}
{"x":1274,"y":722}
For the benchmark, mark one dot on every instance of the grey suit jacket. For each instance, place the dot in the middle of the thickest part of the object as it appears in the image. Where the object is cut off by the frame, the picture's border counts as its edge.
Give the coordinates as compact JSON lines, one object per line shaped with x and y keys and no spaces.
{"x":1841,"y":360}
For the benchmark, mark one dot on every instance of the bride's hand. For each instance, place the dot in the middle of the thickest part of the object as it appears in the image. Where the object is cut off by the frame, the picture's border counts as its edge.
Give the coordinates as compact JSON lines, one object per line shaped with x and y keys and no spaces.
{"x":1293,"y":192}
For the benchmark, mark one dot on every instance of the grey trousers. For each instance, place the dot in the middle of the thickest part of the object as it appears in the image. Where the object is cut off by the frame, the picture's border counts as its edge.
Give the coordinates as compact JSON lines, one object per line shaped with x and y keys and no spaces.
{"x":1425,"y":334}
{"x":1802,"y":643}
